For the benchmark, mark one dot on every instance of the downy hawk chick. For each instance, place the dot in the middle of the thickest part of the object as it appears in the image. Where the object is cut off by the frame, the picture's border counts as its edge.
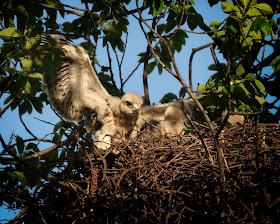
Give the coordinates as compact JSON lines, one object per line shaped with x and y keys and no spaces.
{"x":75,"y":90}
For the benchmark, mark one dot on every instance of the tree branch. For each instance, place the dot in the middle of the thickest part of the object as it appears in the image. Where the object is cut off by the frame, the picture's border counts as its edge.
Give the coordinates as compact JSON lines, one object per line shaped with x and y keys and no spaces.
{"x":181,"y":80}
{"x":110,"y":66}
{"x":56,"y":8}
{"x":132,"y":73}
{"x":194,"y":50}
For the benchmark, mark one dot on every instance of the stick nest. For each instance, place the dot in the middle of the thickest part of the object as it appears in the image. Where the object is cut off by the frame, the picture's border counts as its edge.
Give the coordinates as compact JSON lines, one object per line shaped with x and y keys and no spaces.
{"x":159,"y":179}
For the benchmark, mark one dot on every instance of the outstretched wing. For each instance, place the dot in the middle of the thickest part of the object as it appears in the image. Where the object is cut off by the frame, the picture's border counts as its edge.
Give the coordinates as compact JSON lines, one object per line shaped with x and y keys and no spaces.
{"x":169,"y":117}
{"x":74,"y":88}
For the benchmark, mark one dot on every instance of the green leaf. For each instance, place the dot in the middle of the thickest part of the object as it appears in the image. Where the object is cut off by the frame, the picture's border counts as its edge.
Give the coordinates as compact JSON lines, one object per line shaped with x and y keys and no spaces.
{"x":36,"y":75}
{"x":260,"y":87}
{"x":13,"y":150}
{"x":8,"y":99}
{"x":158,"y":6}
{"x":213,"y":2}
{"x":240,"y":70}
{"x":192,"y":23}
{"x":201,"y":87}
{"x":257,"y":36}
{"x":33,"y":147}
{"x":44,"y":88}
{"x":187,"y":8}
{"x":182,"y":92}
{"x":50,"y":156}
{"x":56,"y":138}
{"x":195,"y":20}
{"x":37,"y":104}
{"x":20,"y":144}
{"x":27,"y":87}
{"x":264,"y":8}
{"x":250,"y":76}
{"x":188,"y":130}
{"x":215,"y":23}
{"x":219,"y":34}
{"x":241,"y":91}
{"x":245,"y":3}
{"x":68,"y":27}
{"x":266,"y":28}
{"x":233,"y":29}
{"x":227,"y":7}
{"x":253,"y":12}
{"x":22,"y":16}
{"x":174,"y":7}
{"x":59,"y":125}
{"x":159,"y":69}
{"x":223,"y":215}
{"x":170,"y":22}
{"x":9,"y":33}
{"x":25,"y":107}
{"x":213,"y":67}
{"x":160,"y":28}
{"x":169,"y":97}
{"x":151,"y":67}
{"x":27,"y":64}
{"x":16,"y":175}
{"x":261,"y":100}
{"x":120,"y":45}
{"x":116,"y":21}
{"x":179,"y":40}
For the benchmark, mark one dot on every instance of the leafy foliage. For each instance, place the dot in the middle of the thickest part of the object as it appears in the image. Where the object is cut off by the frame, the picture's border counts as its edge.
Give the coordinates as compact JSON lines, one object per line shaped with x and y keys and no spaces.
{"x":240,"y":80}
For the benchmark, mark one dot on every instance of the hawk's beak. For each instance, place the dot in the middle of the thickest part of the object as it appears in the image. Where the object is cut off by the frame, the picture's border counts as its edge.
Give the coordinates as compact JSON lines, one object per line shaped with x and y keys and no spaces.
{"x":136,"y":108}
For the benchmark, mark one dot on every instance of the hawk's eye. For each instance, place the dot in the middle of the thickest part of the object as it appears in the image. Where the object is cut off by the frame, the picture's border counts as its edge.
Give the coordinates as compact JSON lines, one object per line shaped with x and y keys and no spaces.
{"x":127,"y":103}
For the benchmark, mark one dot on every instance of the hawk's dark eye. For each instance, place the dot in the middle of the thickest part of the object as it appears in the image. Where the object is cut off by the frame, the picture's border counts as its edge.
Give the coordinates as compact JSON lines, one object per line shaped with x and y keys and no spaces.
{"x":127,"y":103}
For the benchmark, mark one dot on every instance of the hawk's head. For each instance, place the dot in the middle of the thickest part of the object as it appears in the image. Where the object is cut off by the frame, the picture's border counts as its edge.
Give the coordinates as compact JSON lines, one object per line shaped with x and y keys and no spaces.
{"x":130,"y":104}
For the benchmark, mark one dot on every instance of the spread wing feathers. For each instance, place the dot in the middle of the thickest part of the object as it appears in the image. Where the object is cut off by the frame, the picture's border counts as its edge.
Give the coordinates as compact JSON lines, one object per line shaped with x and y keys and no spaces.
{"x":169,"y":117}
{"x":75,"y":87}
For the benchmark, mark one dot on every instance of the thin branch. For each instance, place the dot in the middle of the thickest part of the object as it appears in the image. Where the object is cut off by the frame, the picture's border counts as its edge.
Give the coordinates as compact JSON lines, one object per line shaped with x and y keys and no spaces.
{"x":194,"y":50}
{"x":155,"y":56}
{"x":10,"y":78}
{"x":56,"y":8}
{"x":34,"y":136}
{"x":38,"y":154}
{"x":266,"y":61}
{"x":110,"y":66}
{"x":132,"y":73}
{"x":19,"y":215}
{"x":219,"y":68}
{"x":10,"y":104}
{"x":88,"y":33}
{"x":179,"y":77}
{"x":21,"y":161}
{"x":120,"y":69}
{"x":199,"y":134}
{"x":189,"y":31}
{"x":161,"y":38}
{"x":2,"y":111}
{"x":180,"y":22}
{"x":259,"y":112}
{"x":144,"y":7}
{"x":146,"y":64}
{"x":265,"y":14}
{"x":125,"y":45}
{"x":72,"y":7}
{"x":121,"y":63}
{"x":70,"y":157}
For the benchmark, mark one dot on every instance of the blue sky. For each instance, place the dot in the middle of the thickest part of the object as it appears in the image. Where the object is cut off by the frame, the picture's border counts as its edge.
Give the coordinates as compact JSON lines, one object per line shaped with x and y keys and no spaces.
{"x":158,"y":84}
